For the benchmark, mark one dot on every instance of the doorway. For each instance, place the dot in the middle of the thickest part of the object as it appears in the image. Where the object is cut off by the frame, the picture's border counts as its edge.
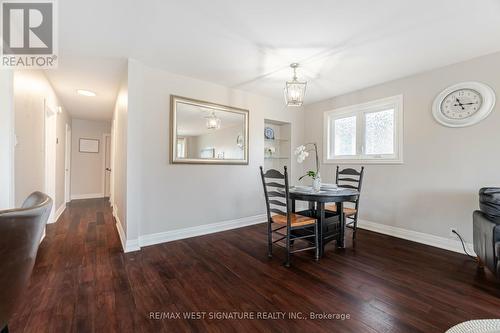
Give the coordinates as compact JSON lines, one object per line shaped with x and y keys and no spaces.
{"x":107,"y":165}
{"x":67,"y":166}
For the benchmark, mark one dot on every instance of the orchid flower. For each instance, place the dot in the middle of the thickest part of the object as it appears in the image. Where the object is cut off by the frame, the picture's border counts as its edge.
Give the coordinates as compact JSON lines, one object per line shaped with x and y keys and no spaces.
{"x":302,"y":153}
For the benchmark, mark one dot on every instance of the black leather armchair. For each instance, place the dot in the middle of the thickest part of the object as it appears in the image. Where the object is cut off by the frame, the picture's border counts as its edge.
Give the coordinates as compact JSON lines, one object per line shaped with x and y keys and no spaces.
{"x":21,"y":231}
{"x":486,"y":229}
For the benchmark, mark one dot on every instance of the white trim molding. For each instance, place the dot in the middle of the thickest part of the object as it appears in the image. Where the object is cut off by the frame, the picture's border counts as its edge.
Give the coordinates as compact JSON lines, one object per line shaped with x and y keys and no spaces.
{"x":168,"y":236}
{"x":127,"y":245}
{"x":87,"y":196}
{"x":177,"y":234}
{"x":58,"y":213}
{"x":359,"y":111}
{"x":416,"y":236}
{"x":172,"y":235}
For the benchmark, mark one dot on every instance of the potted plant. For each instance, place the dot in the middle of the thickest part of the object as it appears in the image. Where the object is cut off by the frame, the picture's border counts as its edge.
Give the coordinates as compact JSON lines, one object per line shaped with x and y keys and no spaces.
{"x":302,"y":152}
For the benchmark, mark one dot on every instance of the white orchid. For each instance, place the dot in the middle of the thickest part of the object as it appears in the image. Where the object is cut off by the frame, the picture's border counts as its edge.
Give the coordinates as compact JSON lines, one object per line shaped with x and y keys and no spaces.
{"x":302,"y":156}
{"x":302,"y":153}
{"x":299,"y":149}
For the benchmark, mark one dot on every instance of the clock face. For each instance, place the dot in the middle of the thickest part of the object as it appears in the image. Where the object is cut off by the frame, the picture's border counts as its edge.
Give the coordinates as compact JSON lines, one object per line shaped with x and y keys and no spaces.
{"x":461,"y":104}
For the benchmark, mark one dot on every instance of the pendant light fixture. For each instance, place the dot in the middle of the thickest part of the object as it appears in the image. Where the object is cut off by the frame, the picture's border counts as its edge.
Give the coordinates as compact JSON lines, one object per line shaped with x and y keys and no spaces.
{"x":213,"y":123}
{"x":295,"y":89}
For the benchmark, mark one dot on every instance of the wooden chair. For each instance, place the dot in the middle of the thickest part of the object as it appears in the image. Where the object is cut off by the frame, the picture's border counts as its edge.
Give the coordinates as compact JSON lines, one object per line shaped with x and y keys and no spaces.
{"x":349,"y":178}
{"x":279,"y":214}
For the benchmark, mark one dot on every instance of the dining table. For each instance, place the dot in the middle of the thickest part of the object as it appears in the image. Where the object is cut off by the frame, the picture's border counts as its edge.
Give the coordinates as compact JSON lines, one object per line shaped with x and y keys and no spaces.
{"x":317,"y":201}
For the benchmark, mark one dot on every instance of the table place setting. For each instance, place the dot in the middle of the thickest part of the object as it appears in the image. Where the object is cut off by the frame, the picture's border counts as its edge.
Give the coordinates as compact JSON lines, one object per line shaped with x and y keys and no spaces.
{"x":310,"y":189}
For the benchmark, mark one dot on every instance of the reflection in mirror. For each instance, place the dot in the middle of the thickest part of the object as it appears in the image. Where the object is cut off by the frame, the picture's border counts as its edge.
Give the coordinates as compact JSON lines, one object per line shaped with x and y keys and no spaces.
{"x":208,"y":133}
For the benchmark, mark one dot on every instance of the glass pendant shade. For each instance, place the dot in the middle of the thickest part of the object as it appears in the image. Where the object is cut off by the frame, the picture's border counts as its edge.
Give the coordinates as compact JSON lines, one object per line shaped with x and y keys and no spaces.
{"x":295,"y":89}
{"x":213,"y":122}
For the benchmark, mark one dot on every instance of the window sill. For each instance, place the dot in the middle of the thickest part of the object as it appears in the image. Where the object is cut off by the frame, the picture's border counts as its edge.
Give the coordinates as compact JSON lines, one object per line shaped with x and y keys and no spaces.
{"x":363,"y":161}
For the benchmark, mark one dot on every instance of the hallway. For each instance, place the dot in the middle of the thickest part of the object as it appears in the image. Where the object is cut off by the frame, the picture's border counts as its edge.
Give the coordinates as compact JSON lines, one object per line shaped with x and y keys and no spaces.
{"x":79,"y":269}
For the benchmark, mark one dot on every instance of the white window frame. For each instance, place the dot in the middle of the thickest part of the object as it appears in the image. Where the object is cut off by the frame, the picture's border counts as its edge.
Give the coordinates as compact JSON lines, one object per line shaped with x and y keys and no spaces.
{"x":182,"y":142}
{"x":359,"y":110}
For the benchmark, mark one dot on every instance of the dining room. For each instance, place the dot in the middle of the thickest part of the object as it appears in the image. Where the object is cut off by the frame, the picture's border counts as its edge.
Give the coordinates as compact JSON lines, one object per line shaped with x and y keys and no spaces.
{"x":251,"y":173}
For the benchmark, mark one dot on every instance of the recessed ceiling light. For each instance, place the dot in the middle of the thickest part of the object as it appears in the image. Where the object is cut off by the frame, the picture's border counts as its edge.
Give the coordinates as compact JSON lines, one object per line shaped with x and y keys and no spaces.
{"x":87,"y":93}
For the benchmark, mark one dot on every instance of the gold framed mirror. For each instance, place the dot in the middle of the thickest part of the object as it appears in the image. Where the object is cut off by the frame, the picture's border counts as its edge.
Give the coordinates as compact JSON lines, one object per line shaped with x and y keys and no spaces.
{"x":207,"y":133}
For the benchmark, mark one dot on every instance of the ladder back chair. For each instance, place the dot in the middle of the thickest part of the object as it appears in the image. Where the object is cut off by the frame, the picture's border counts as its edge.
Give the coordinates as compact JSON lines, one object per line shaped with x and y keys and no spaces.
{"x":281,"y":220}
{"x":349,"y":178}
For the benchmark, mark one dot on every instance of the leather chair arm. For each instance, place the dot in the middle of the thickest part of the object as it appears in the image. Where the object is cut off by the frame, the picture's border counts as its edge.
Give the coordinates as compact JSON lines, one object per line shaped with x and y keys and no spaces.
{"x":486,"y":232}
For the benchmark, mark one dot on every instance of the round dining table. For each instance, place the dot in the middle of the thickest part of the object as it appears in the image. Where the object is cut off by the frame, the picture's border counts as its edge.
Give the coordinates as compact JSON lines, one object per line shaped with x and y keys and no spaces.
{"x":317,"y":201}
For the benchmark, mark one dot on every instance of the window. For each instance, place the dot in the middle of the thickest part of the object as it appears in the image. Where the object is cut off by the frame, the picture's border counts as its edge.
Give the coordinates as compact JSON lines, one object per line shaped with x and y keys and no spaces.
{"x":345,"y":136}
{"x":181,"y":147}
{"x":365,"y":133}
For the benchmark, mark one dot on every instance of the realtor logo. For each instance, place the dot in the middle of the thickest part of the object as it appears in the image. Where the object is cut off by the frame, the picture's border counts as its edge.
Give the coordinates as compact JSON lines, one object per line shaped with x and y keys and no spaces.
{"x":28,"y":34}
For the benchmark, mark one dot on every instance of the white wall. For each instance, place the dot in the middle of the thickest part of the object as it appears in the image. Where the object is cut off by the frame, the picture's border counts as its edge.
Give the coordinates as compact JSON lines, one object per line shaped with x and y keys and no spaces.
{"x":87,"y":171}
{"x":31,"y":89}
{"x":437,"y":186}
{"x":119,"y":159}
{"x":6,"y":139}
{"x":63,"y":118}
{"x":163,"y":197}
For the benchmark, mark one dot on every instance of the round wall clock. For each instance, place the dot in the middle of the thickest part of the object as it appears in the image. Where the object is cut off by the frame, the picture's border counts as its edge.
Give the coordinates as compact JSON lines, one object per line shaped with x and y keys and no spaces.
{"x":463,"y":104}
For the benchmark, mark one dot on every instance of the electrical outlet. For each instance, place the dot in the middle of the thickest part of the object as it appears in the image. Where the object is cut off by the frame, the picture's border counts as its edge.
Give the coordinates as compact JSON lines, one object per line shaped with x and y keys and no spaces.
{"x":452,"y":234}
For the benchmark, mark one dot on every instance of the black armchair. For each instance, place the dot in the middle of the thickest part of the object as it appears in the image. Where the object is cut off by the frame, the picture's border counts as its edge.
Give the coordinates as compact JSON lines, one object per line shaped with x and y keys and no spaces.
{"x":486,"y":229}
{"x":21,"y":231}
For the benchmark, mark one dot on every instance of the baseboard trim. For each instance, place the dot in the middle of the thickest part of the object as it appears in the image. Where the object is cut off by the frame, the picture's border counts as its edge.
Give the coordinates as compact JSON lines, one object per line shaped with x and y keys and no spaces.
{"x":172,"y":235}
{"x":127,"y":245}
{"x":58,"y":213}
{"x":416,"y":236}
{"x":87,"y":196}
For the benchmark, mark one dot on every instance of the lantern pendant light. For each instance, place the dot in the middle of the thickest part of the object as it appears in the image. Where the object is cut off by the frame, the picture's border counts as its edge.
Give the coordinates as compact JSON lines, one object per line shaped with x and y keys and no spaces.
{"x":295,"y":89}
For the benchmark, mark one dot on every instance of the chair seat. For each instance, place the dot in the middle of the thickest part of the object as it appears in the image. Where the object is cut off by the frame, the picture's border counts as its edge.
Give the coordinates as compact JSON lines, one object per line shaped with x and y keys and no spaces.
{"x":295,"y":219}
{"x":347,"y":211}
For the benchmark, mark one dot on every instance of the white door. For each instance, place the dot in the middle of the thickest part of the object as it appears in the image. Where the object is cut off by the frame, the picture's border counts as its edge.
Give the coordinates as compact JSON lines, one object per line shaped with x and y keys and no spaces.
{"x":50,"y":155}
{"x":67,"y":166}
{"x":107,"y":165}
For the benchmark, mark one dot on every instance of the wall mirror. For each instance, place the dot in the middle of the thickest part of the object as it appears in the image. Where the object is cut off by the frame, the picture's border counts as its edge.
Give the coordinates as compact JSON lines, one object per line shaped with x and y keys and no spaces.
{"x":207,"y":133}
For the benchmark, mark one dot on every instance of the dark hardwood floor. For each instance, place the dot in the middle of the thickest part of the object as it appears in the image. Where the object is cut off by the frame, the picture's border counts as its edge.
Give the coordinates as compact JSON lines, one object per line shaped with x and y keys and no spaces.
{"x":82,"y":282}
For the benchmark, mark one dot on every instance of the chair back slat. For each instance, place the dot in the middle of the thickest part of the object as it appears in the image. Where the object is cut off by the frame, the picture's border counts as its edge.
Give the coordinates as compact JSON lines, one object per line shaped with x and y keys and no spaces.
{"x":273,"y":184}
{"x":275,"y":194}
{"x":349,"y":180}
{"x":276,"y":187}
{"x":274,"y":174}
{"x":277,"y":203}
{"x":349,"y":186}
{"x":349,"y":171}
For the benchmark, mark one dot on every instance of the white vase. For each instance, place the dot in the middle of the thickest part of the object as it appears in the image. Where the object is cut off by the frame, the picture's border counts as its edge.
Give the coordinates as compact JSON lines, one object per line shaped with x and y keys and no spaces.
{"x":317,"y":184}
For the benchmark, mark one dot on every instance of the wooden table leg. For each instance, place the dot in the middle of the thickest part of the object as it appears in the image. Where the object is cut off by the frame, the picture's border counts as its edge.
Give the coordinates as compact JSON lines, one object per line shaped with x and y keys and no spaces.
{"x":321,"y":219}
{"x":340,"y":209}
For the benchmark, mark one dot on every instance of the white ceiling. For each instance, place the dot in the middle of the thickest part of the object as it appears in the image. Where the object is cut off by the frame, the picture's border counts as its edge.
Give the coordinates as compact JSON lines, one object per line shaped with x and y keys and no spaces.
{"x":341,"y":45}
{"x":98,"y":74}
